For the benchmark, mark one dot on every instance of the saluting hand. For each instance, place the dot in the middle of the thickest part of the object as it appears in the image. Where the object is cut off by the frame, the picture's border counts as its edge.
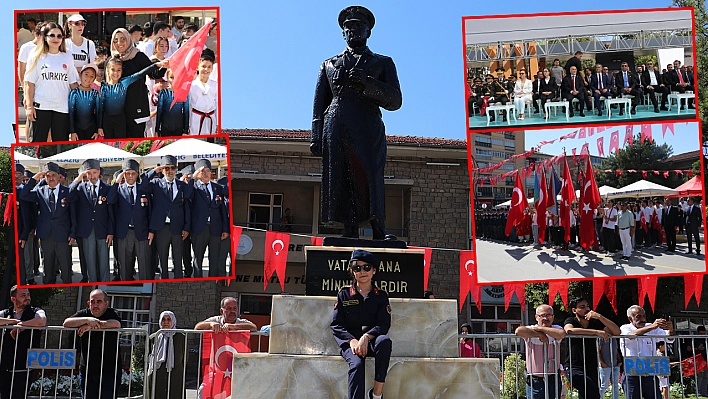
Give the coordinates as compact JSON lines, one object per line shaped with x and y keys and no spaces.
{"x":39,"y":176}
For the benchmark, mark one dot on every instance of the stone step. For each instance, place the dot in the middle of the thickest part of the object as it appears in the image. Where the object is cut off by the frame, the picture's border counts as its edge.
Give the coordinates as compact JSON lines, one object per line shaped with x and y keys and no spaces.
{"x":419,"y":327}
{"x":263,"y":375}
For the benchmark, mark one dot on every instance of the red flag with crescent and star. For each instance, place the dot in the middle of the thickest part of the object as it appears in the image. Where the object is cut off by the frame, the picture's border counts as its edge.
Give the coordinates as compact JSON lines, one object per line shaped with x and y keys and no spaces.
{"x":218,"y":351}
{"x":184,"y":62}
{"x":693,"y":365}
{"x":276,"y":257}
{"x":518,"y":204}
{"x":590,"y":198}
{"x":468,"y":259}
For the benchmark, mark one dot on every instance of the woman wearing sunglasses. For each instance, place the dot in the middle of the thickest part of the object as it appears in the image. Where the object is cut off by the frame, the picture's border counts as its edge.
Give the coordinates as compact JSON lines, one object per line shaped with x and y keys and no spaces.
{"x":82,"y":49}
{"x":49,"y":78}
{"x":361,"y":319}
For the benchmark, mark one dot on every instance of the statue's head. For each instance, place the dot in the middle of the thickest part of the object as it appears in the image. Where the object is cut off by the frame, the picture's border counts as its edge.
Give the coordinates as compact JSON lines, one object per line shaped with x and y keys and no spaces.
{"x":356,"y":23}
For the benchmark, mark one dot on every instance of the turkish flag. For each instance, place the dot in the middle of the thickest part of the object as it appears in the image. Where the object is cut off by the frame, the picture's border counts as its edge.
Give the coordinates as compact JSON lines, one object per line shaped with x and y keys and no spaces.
{"x":582,"y":133}
{"x":468,"y":260}
{"x":644,"y":174}
{"x":426,"y":264}
{"x":655,"y":224}
{"x":646,"y":132}
{"x":558,"y":287}
{"x":693,"y":285}
{"x":590,"y":198}
{"x":665,"y":127}
{"x":567,"y":198}
{"x":643,"y":220}
{"x":276,"y":256}
{"x":519,"y":290}
{"x":600,"y":146}
{"x":7,"y":216}
{"x":518,"y":204}
{"x":614,"y":141}
{"x":541,"y":206}
{"x":184,"y":62}
{"x":693,"y":365}
{"x":628,"y":135}
{"x":608,"y":287}
{"x":647,"y":286}
{"x":235,"y":239}
{"x":218,"y":350}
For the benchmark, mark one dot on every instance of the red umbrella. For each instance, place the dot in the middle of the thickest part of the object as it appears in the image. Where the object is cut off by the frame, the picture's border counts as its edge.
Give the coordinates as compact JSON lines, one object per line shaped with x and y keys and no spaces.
{"x":693,"y":187}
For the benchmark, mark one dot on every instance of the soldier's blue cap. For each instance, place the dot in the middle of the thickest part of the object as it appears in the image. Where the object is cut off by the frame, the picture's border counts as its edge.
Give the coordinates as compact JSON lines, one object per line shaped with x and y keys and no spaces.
{"x":51,"y":167}
{"x":363,"y":255}
{"x":19,"y":168}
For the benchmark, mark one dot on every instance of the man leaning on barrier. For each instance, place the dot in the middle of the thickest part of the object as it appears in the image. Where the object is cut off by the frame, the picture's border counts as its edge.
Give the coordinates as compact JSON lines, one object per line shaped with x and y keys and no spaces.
{"x":542,"y":364}
{"x":100,"y":371}
{"x":646,"y":387}
{"x":14,"y":348}
{"x":583,"y":357}
{"x":228,"y":320}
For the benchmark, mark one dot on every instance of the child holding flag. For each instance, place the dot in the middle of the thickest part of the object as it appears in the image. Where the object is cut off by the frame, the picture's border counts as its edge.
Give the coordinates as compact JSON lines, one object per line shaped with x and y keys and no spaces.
{"x":172,"y":118}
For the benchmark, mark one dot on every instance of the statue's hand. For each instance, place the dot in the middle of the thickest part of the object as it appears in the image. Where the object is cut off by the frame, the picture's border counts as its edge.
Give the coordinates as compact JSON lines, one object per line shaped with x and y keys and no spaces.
{"x":357,"y":77}
{"x":316,"y":149}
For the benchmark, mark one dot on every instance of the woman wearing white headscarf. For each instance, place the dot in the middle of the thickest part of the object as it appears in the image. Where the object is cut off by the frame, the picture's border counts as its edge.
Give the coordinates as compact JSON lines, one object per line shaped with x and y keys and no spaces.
{"x":136,"y":100}
{"x":166,"y":366}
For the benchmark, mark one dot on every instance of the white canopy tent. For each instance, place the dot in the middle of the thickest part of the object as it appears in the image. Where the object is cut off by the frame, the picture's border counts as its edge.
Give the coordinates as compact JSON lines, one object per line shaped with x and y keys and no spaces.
{"x":603,"y":191}
{"x":189,"y":150}
{"x":25,"y":160}
{"x":107,"y":155}
{"x":641,"y":188}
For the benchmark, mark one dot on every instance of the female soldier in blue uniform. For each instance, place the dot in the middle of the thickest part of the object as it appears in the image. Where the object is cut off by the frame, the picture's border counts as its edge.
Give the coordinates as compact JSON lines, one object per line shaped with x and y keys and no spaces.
{"x":361,"y":319}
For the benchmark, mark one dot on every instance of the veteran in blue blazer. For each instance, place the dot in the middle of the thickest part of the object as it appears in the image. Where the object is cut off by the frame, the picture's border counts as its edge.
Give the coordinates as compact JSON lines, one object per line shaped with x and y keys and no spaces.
{"x":54,"y":223}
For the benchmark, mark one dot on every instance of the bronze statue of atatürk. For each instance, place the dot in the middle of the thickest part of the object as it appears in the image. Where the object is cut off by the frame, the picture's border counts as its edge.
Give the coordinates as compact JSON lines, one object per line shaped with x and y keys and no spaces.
{"x":347,"y":129}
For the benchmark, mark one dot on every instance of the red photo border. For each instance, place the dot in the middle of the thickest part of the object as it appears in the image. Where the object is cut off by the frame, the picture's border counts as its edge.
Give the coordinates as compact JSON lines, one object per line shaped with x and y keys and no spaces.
{"x":132,"y":282}
{"x":509,"y":128}
{"x":529,"y":129}
{"x":75,"y":10}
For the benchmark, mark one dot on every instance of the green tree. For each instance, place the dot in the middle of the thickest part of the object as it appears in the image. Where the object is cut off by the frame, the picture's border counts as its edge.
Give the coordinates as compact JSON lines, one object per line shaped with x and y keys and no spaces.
{"x":643,"y":59}
{"x":639,"y":156}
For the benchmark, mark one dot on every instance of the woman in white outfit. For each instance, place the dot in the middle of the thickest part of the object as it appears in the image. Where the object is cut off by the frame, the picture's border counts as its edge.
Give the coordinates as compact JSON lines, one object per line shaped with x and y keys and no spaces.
{"x":82,"y":49}
{"x":523,"y":92}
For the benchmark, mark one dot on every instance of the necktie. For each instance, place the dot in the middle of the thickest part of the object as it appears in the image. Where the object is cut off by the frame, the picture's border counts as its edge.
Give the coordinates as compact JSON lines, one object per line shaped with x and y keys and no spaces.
{"x":130,"y":194}
{"x":206,"y":191}
{"x":626,"y":81}
{"x":170,"y":192}
{"x":599,"y":79}
{"x":52,"y":200}
{"x":573,"y":82}
{"x":680,"y":75}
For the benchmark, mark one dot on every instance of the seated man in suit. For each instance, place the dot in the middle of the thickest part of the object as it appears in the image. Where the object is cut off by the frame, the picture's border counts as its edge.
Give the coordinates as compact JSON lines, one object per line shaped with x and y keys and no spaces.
{"x":627,"y":84}
{"x":694,"y":219}
{"x":88,"y":196}
{"x":653,"y":83}
{"x":476,"y":94}
{"x":536,"y":90}
{"x":600,"y":87}
{"x":54,"y":221}
{"x":210,"y":223}
{"x":170,"y":218}
{"x":131,"y":207}
{"x":680,"y":81}
{"x":574,"y":87}
{"x":499,"y":95}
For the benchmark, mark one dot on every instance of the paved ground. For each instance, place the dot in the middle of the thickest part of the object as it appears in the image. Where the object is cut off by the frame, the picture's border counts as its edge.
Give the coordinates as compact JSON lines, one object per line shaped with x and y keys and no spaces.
{"x":499,"y":262}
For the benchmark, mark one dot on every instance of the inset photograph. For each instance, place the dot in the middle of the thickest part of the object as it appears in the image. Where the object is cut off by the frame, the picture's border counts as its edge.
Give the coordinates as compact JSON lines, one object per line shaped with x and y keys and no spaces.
{"x":570,"y":68}
{"x":589,"y":202}
{"x":110,"y":74}
{"x":122,"y":212}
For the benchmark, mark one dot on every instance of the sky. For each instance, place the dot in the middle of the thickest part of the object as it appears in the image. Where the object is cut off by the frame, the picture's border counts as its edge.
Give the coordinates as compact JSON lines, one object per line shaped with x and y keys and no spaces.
{"x":685,"y":138}
{"x":271,"y":52}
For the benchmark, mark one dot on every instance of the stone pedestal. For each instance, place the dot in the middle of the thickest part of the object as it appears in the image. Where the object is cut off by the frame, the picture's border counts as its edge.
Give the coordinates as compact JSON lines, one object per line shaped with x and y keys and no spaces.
{"x":263,"y":375}
{"x":304,"y":360}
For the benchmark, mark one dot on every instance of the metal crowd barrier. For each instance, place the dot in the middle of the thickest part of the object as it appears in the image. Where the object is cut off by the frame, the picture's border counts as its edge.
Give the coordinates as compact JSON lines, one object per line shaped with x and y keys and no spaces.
{"x":50,"y":367}
{"x":679,"y":372}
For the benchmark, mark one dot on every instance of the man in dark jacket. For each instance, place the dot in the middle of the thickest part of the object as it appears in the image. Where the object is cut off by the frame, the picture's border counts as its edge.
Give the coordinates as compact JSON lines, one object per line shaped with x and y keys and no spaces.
{"x":694,"y":219}
{"x":669,"y":220}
